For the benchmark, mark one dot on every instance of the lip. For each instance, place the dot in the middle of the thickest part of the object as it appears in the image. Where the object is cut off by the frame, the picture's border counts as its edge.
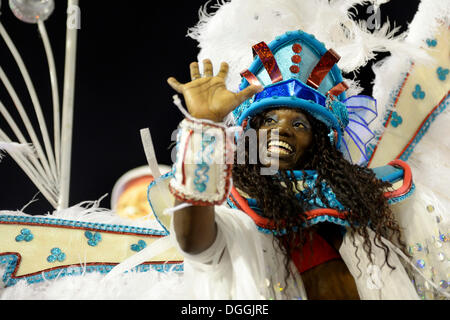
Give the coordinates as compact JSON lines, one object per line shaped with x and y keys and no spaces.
{"x":287,"y":149}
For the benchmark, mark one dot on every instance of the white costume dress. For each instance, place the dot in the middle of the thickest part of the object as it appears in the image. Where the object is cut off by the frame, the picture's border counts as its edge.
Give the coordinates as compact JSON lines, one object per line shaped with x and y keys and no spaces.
{"x":243,"y":263}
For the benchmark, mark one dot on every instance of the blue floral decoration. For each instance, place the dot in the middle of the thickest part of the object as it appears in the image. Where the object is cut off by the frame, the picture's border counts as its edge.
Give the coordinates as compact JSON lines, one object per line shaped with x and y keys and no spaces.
{"x":432,"y":42}
{"x":339,"y":110}
{"x":396,"y":119}
{"x":442,"y":73}
{"x":139,"y":246}
{"x":93,"y":238}
{"x":56,"y":254}
{"x":25,"y":235}
{"x":418,"y":93}
{"x":201,"y":173}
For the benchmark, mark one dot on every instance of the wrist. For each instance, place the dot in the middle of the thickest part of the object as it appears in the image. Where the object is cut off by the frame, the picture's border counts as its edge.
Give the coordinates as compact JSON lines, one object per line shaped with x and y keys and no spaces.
{"x":201,"y":173}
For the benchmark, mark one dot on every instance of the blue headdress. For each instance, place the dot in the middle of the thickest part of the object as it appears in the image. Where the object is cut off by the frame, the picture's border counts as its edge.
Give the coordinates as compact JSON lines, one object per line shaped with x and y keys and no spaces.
{"x":297,"y":71}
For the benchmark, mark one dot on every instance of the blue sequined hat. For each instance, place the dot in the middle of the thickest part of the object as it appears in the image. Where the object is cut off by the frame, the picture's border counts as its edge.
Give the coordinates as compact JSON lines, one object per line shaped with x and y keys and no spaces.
{"x":297,"y":71}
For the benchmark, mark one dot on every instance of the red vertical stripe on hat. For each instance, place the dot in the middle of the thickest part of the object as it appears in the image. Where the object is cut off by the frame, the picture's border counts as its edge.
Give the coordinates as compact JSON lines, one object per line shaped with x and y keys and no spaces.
{"x":328,"y":60}
{"x":268,"y":60}
{"x":338,"y":89}
{"x":250,"y":77}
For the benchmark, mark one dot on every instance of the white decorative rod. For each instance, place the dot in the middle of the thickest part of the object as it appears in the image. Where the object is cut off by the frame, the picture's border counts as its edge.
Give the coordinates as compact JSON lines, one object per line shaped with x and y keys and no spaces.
{"x":4,"y":112}
{"x":55,"y":94}
{"x":67,"y":106}
{"x":34,"y":98}
{"x":28,"y":125}
{"x":24,"y":163}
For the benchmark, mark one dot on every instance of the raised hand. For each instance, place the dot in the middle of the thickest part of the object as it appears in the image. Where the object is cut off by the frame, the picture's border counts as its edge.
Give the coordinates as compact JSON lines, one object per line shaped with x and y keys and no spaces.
{"x":207,"y":97}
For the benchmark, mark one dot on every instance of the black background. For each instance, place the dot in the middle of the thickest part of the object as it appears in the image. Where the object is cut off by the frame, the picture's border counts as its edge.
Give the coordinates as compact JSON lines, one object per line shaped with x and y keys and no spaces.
{"x":125,"y":54}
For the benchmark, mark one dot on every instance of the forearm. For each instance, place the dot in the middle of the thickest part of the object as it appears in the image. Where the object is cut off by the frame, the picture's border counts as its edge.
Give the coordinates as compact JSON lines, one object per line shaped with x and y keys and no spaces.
{"x":207,"y":184}
{"x":202,"y":179}
{"x":195,"y":228}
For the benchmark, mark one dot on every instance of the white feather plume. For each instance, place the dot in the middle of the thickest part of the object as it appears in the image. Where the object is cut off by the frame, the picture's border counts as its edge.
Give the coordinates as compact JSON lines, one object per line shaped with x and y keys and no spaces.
{"x":18,"y":148}
{"x":229,"y":33}
{"x":150,"y":285}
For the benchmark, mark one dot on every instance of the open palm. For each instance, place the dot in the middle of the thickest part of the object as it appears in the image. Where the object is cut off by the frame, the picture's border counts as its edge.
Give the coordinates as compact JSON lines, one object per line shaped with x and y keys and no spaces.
{"x":207,"y":97}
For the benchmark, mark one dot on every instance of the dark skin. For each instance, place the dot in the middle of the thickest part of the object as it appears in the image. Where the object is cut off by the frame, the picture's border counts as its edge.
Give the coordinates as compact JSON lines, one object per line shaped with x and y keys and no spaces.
{"x":289,"y":136}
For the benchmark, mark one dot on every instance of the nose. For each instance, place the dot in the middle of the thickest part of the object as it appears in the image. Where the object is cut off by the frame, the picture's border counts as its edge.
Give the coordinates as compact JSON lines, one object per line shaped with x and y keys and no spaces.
{"x":284,"y":129}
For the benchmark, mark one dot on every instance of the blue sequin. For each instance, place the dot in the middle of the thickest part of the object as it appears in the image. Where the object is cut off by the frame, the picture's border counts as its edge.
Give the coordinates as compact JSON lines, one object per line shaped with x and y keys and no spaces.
{"x":432,"y":42}
{"x":420,"y":263}
{"x":396,"y":119}
{"x":442,"y":73}
{"x":418,"y":93}
{"x":139,"y":246}
{"x":25,"y":235}
{"x":56,"y":254}
{"x":93,"y":238}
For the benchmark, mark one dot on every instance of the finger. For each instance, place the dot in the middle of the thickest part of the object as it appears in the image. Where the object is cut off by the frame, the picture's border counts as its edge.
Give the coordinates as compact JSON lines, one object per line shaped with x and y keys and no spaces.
{"x":175,"y":84}
{"x":195,"y":72}
{"x":207,"y":68}
{"x":247,"y":93}
{"x":223,"y":72}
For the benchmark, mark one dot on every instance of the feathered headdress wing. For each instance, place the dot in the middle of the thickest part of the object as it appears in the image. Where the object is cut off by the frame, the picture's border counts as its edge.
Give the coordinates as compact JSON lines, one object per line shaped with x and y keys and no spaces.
{"x":229,"y":32}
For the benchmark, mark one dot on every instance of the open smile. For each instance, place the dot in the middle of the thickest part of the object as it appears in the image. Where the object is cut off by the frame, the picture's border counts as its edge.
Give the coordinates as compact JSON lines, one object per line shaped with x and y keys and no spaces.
{"x":281,"y":148}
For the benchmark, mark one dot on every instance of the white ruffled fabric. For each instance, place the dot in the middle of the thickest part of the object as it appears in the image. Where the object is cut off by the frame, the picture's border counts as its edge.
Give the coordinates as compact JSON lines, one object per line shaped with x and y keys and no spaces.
{"x":251,"y":266}
{"x":241,"y":264}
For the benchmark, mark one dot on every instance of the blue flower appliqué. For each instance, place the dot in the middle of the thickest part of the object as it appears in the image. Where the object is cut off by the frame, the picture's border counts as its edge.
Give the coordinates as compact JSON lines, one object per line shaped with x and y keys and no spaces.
{"x":418,"y":93}
{"x":93,"y":238}
{"x":139,"y":246}
{"x":25,"y":235}
{"x":56,"y":254}
{"x":432,"y":42}
{"x":201,"y":173}
{"x":340,"y":111}
{"x":442,"y":73}
{"x":396,"y":119}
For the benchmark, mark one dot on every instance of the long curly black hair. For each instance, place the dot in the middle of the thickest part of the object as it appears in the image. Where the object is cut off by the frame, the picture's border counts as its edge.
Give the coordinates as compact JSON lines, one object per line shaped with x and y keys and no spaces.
{"x":356,"y":188}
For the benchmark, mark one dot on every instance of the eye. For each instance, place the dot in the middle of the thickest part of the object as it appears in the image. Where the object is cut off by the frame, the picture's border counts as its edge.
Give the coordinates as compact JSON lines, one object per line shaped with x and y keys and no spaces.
{"x":269,"y":120}
{"x":299,"y":124}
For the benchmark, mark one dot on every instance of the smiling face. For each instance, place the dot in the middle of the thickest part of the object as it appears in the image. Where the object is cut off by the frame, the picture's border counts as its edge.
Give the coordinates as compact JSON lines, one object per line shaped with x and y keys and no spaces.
{"x":293,"y":139}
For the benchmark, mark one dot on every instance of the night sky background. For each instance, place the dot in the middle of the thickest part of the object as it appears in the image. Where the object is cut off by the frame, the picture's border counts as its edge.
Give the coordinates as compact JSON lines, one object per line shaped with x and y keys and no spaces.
{"x":125,"y":54}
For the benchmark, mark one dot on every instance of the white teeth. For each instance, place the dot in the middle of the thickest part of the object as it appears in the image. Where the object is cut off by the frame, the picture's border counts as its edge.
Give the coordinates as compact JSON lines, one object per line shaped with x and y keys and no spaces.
{"x":278,"y":143}
{"x":276,"y":149}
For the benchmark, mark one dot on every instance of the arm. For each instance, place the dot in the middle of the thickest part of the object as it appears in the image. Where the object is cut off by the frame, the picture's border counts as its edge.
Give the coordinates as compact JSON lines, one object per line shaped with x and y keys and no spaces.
{"x":195,"y":228}
{"x":206,"y":98}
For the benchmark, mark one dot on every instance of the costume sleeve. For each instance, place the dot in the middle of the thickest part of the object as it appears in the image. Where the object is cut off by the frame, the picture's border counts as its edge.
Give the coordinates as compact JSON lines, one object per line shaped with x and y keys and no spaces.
{"x":233,"y":266}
